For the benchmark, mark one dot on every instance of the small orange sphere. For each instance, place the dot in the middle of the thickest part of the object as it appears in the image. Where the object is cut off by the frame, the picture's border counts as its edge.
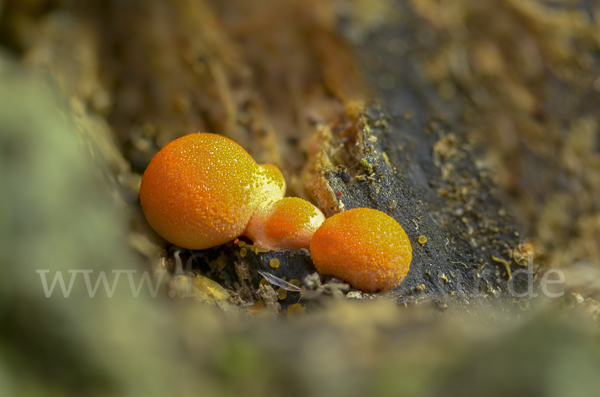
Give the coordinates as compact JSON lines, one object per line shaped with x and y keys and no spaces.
{"x":270,"y":183}
{"x":364,"y":247}
{"x":199,"y":191}
{"x":287,"y":224}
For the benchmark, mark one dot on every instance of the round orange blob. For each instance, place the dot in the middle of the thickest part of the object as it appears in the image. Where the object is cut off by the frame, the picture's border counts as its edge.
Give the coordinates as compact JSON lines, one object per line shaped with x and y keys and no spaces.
{"x":270,"y":184}
{"x":199,"y":191}
{"x":364,"y":247}
{"x":288,"y":224}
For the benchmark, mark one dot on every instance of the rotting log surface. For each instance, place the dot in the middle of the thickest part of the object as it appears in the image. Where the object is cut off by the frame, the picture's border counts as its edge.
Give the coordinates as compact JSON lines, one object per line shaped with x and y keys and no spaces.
{"x":427,"y":180}
{"x":468,"y":232}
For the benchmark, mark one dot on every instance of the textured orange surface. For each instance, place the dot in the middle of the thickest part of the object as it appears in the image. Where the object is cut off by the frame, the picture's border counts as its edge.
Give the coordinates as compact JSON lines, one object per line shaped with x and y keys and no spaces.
{"x":364,"y":247}
{"x":199,"y":191}
{"x":288,"y":224}
{"x":293,"y":222}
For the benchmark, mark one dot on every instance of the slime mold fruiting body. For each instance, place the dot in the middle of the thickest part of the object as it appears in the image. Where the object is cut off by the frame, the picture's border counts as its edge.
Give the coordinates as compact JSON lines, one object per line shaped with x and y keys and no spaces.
{"x":200,"y":190}
{"x":363,"y":247}
{"x":204,"y":190}
{"x":287,"y":224}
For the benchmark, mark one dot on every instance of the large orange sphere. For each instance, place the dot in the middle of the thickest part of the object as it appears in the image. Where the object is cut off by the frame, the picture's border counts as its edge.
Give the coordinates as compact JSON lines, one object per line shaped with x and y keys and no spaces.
{"x":364,"y":247}
{"x":200,"y":191}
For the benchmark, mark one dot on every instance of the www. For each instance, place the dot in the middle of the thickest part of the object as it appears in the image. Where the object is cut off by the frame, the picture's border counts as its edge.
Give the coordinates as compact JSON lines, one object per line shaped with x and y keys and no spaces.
{"x":110,"y":289}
